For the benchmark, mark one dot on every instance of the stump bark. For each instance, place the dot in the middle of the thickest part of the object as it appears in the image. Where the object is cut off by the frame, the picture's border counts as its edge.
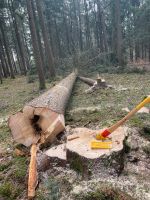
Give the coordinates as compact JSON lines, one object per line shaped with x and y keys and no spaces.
{"x":43,"y":118}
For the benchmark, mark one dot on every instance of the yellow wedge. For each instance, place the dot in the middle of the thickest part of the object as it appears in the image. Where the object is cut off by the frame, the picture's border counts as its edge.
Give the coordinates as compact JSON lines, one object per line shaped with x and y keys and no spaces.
{"x":101,"y":145}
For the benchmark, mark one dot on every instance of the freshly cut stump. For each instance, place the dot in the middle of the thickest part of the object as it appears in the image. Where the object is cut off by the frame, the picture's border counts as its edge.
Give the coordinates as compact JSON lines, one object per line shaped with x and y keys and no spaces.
{"x":43,"y":118}
{"x":87,"y":161}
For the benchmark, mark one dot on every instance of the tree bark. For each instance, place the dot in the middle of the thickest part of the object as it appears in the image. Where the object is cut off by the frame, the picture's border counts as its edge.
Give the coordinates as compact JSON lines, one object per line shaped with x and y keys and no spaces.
{"x":5,"y":40}
{"x":48,"y":50}
{"x":43,"y":118}
{"x":87,"y":27}
{"x":35,"y":45}
{"x":19,"y":40}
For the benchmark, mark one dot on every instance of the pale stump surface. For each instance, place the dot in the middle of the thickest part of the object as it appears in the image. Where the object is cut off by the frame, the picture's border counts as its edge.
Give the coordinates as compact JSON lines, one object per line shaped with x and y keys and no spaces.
{"x":79,"y":155}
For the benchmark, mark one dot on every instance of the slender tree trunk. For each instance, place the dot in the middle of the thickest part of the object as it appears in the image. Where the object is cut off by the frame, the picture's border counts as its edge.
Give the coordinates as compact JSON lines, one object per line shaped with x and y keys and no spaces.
{"x":6,"y":63}
{"x":19,"y":39}
{"x":3,"y":61}
{"x":66,"y":28}
{"x":48,"y":50}
{"x":5,"y":40}
{"x":80,"y":27}
{"x":87,"y":27}
{"x":137,"y":51}
{"x":39,"y":37}
{"x":58,"y":39}
{"x":1,"y":79}
{"x":103,"y":26}
{"x":117,"y":35}
{"x":36,"y":50}
{"x":149,"y":51}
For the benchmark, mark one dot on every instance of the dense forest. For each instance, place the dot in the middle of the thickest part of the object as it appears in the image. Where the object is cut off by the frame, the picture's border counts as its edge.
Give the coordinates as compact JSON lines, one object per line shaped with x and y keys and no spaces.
{"x":37,"y":35}
{"x":75,"y":99}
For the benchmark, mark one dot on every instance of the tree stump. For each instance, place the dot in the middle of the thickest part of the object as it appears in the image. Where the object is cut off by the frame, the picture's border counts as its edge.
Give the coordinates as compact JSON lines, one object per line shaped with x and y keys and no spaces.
{"x":79,"y":155}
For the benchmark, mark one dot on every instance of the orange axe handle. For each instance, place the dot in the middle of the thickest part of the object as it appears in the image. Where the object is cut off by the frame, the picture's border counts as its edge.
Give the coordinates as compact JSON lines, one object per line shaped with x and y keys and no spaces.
{"x":108,"y":131}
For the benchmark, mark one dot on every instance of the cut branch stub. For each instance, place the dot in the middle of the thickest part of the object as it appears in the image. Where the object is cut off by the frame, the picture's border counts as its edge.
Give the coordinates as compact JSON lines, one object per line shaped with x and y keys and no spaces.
{"x":43,"y":118}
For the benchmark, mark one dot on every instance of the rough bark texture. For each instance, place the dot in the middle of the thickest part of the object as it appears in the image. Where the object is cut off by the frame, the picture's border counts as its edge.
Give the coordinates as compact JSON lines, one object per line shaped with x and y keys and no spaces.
{"x":78,"y":153}
{"x":42,"y":119}
{"x":48,"y":50}
{"x":35,"y":44}
{"x":57,"y":97}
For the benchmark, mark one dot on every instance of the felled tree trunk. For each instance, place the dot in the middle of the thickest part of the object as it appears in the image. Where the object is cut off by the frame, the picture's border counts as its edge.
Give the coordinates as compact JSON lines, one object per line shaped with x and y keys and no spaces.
{"x":88,"y":81}
{"x":78,"y":154}
{"x":43,"y":118}
{"x":95,"y":84}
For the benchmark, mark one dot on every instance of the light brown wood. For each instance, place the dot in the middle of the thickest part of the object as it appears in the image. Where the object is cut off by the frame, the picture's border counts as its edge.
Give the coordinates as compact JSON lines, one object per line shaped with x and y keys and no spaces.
{"x":78,"y":153}
{"x":43,"y":118}
{"x":33,"y":175}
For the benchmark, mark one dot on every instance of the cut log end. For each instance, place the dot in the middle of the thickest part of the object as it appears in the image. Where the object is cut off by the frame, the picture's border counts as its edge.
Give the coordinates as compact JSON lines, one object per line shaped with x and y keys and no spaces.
{"x":36,"y":124}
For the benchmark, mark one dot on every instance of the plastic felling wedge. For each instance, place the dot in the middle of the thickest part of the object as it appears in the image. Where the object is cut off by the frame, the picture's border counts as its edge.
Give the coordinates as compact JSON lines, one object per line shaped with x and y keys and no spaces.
{"x":101,"y":144}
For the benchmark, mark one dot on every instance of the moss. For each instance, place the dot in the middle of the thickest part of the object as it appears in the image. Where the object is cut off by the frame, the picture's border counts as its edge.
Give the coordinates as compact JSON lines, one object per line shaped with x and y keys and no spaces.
{"x":50,"y":190}
{"x":146,"y":149}
{"x":127,"y":147}
{"x":77,"y":165}
{"x":104,"y":193}
{"x":5,"y":166}
{"x":20,"y":170}
{"x":146,"y":132}
{"x":4,"y":133}
{"x":9,"y":191}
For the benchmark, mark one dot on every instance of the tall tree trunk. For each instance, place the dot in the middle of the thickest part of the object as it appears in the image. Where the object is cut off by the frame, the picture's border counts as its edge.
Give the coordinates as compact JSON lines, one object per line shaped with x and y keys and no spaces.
{"x":35,"y":45}
{"x":103,"y":26}
{"x":66,"y":28}
{"x":80,"y":26}
{"x":5,"y":60}
{"x":48,"y":50}
{"x":19,"y":39}
{"x":117,"y":37}
{"x":39,"y":37}
{"x":87,"y":27}
{"x":5,"y":40}
{"x":1,"y":79}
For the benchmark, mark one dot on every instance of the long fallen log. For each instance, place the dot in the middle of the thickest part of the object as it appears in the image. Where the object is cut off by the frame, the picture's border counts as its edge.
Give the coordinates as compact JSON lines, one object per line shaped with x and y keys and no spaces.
{"x":88,"y":81}
{"x":43,"y":118}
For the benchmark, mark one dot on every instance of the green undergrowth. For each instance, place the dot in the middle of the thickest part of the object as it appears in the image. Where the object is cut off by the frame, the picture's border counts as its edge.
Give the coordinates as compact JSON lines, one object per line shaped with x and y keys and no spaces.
{"x":104,"y":193}
{"x":13,"y":177}
{"x":50,"y":190}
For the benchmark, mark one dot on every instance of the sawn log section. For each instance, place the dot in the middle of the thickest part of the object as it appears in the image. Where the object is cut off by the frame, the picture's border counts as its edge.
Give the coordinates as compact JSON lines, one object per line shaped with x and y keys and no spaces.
{"x":43,"y":118}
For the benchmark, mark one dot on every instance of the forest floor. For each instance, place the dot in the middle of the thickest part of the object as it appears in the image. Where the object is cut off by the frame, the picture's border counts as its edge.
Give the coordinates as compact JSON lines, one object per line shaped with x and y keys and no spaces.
{"x":95,"y":110}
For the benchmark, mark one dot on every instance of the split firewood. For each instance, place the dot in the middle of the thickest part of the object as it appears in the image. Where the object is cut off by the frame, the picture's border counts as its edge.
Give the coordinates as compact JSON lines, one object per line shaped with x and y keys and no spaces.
{"x":95,"y":84}
{"x":33,"y":175}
